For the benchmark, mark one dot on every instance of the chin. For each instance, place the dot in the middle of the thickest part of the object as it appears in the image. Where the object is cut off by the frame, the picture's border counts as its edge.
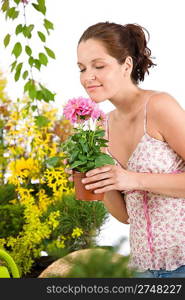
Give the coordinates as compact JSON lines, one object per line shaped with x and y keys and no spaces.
{"x":97,"y":99}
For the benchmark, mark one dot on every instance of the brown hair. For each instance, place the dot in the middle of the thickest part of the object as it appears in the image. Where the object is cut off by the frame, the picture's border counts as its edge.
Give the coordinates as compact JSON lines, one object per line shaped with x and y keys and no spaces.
{"x":122,"y":41}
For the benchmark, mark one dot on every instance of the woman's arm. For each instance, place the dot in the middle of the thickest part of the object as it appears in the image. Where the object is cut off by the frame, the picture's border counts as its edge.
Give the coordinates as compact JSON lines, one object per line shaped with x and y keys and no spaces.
{"x":172,"y":185}
{"x":115,"y":204}
{"x":169,"y":118}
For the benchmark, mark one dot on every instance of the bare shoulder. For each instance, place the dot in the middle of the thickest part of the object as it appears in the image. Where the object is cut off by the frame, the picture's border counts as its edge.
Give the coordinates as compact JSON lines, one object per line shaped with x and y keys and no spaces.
{"x":163,"y":103}
{"x":168,"y":117}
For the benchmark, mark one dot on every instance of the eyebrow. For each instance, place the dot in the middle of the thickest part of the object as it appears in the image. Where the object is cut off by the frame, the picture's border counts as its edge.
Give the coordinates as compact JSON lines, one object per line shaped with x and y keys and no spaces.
{"x":79,"y":63}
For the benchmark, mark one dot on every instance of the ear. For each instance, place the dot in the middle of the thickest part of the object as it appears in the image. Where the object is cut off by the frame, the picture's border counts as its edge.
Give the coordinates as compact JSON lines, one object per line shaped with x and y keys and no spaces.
{"x":128,"y":65}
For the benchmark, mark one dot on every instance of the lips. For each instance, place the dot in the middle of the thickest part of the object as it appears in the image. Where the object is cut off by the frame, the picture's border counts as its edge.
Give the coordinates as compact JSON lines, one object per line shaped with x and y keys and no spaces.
{"x":92,"y":87}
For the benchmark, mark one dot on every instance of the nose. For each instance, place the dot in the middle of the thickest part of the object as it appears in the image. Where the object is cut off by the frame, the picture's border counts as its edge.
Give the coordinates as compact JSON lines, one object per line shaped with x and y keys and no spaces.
{"x":88,"y":76}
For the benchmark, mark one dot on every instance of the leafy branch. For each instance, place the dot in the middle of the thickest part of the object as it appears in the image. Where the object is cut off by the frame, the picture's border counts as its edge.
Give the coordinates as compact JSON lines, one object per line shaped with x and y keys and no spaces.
{"x":25,"y":68}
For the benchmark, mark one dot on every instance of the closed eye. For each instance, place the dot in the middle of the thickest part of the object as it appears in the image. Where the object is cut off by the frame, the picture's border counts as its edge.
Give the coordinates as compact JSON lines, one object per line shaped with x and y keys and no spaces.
{"x":83,"y":70}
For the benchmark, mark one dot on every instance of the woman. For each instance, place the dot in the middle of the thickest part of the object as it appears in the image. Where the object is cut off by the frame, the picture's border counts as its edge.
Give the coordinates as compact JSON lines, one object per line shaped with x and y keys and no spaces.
{"x":146,"y":133}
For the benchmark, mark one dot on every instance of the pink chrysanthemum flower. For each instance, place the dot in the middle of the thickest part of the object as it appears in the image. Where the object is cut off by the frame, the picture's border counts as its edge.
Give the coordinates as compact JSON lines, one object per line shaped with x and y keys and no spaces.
{"x":80,"y":109}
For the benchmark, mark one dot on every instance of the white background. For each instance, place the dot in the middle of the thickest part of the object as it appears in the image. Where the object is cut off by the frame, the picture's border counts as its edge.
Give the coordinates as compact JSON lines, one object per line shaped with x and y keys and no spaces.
{"x":164,"y":19}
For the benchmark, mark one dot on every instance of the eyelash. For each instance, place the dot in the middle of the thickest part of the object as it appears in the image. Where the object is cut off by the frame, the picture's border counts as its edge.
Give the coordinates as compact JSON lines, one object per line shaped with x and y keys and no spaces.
{"x":96,"y":68}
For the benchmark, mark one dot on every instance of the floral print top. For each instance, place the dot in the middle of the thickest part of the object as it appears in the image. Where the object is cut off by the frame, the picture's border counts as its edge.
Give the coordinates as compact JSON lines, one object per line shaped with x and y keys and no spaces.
{"x":166,"y":215}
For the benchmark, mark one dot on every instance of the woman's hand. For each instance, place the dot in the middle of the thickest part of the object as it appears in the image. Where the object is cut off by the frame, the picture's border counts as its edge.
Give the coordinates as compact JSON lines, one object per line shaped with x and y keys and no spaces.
{"x":110,"y":177}
{"x":68,"y":171}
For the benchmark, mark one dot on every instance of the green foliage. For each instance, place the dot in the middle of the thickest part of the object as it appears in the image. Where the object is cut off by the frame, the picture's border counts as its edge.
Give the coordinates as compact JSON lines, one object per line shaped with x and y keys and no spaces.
{"x":41,"y":36}
{"x":83,"y":150}
{"x":41,"y":121}
{"x":12,"y":13}
{"x":43,"y":59}
{"x":7,"y":40}
{"x":41,"y":7}
{"x":100,"y":263}
{"x":12,"y":219}
{"x":7,"y":193}
{"x":27,"y":31}
{"x":48,"y":25}
{"x":17,"y":49}
{"x":50,"y":52}
{"x":89,"y":216}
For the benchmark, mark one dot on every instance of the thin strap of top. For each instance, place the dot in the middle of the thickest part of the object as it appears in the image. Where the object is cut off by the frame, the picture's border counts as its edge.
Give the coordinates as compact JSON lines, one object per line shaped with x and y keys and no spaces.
{"x":145,"y":110}
{"x":145,"y":117}
{"x":107,"y":127}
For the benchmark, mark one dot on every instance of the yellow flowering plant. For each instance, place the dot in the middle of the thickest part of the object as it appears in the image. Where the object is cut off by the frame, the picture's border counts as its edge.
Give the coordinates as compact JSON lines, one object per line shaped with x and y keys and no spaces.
{"x":35,"y":195}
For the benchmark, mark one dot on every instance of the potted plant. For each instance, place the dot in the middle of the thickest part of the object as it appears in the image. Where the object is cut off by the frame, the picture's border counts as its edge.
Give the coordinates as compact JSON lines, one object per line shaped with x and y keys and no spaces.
{"x":84,"y":148}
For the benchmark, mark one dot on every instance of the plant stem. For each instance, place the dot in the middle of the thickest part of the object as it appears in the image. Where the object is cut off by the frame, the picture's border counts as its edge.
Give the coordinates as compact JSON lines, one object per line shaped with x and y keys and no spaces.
{"x":92,"y":138}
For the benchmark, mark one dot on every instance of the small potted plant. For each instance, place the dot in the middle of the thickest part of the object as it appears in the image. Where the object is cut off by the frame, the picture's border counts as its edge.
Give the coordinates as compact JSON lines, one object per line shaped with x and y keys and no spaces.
{"x":84,"y":148}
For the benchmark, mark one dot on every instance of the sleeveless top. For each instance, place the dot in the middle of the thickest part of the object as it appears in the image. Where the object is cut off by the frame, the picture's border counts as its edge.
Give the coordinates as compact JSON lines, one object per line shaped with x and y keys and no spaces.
{"x":157,"y":222}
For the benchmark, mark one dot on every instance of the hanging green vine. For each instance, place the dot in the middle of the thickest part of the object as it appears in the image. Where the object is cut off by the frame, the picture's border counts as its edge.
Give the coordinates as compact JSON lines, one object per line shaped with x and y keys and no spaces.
{"x":25,"y":68}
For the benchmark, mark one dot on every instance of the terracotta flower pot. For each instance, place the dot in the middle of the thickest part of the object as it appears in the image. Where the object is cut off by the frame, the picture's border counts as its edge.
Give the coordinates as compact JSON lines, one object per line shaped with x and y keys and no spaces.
{"x":80,"y":191}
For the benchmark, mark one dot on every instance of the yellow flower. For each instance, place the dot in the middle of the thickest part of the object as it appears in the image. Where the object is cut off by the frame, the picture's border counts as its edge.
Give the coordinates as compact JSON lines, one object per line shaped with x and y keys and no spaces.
{"x":24,"y":168}
{"x":56,"y":179}
{"x":77,"y":232}
{"x":44,"y":200}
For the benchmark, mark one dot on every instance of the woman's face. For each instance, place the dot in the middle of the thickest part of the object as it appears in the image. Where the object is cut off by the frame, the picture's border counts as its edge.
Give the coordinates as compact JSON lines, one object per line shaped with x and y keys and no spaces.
{"x":100,"y":74}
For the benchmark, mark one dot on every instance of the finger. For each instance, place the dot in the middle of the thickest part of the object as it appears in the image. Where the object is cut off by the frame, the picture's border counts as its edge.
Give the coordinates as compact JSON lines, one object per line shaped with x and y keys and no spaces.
{"x":99,"y":184}
{"x":97,"y":177}
{"x":98,"y":170}
{"x":65,"y":161}
{"x":70,"y":178}
{"x":105,"y":189}
{"x":68,"y":171}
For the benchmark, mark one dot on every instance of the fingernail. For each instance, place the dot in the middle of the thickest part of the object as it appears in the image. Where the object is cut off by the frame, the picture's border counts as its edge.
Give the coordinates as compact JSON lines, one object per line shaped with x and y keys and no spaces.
{"x":87,"y":187}
{"x":83,"y":180}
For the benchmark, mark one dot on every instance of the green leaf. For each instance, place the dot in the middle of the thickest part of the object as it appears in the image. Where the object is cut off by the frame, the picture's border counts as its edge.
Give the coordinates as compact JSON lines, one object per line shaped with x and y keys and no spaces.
{"x":32,"y":92}
{"x":7,"y":40}
{"x":18,"y":71}
{"x":100,"y":133}
{"x":37,"y":64}
{"x":43,"y":59}
{"x":31,"y":61}
{"x":50,"y":52}
{"x":103,"y":159}
{"x":77,"y":163}
{"x":19,"y":66}
{"x":13,"y":65}
{"x":47,"y":95}
{"x":41,"y":36}
{"x":27,"y":85}
{"x":30,"y":27}
{"x":41,"y":121}
{"x":5,"y":5}
{"x":17,"y":75}
{"x":34,"y":107}
{"x":25,"y":75}
{"x":17,"y":1}
{"x":48,"y":25}
{"x":17,"y":49}
{"x":90,"y":165}
{"x":12,"y":13}
{"x":27,"y":30}
{"x":39,"y":95}
{"x":18,"y":29}
{"x":41,"y":7}
{"x":53,"y":161}
{"x":31,"y":89}
{"x":28,"y":50}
